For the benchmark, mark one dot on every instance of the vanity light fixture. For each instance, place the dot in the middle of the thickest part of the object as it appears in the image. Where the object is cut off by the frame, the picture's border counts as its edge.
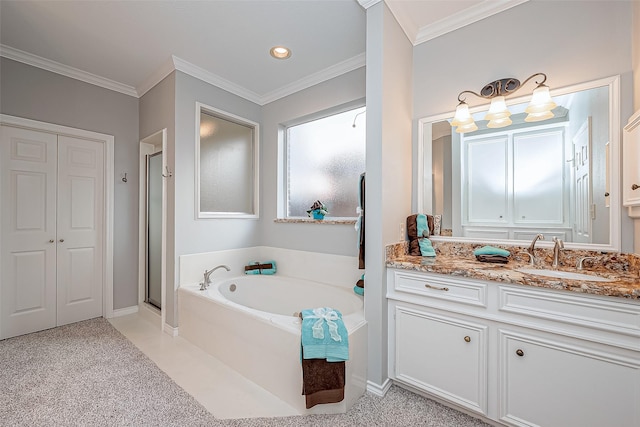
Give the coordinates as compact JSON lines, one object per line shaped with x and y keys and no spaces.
{"x":498,"y":115}
{"x":280,"y":52}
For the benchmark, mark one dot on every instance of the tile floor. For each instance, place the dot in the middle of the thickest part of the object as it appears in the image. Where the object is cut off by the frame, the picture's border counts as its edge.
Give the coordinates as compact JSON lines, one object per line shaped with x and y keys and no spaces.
{"x":220,"y":389}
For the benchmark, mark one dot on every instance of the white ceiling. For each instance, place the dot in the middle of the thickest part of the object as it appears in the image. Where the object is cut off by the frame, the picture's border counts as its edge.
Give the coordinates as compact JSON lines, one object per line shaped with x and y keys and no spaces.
{"x":130,"y":45}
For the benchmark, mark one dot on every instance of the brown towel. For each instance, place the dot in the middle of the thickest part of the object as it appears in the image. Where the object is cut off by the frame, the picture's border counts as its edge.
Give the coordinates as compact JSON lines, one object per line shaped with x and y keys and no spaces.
{"x":412,"y":226}
{"x":499,"y":259}
{"x":322,"y":381}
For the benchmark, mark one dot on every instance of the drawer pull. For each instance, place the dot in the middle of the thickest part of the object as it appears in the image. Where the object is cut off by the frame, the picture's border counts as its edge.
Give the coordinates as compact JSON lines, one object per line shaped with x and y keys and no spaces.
{"x":635,"y":186}
{"x":520,"y":352}
{"x":467,"y":338}
{"x":426,"y":285}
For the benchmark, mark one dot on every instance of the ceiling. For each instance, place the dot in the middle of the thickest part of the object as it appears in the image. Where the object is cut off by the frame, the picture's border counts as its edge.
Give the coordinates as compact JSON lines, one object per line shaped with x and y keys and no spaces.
{"x":131,"y":45}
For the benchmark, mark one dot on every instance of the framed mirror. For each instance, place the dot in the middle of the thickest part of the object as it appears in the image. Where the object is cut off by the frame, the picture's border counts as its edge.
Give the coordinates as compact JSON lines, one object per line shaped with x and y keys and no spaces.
{"x":226,"y":169}
{"x":559,"y":177}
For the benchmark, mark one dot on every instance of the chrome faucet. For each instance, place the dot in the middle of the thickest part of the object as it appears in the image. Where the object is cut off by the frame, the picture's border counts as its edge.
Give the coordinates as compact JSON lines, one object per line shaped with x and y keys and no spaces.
{"x":531,"y":250}
{"x":557,"y":247}
{"x":581,"y":260}
{"x":207,"y":276}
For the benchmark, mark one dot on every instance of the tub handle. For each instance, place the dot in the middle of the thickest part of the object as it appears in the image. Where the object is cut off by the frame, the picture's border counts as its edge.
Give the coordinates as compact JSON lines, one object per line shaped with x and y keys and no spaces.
{"x":426,"y":285}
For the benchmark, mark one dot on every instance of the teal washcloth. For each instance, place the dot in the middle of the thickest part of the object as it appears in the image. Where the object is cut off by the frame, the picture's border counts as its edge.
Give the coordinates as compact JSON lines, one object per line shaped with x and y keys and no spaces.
{"x":324,"y":335}
{"x":426,"y":248}
{"x":358,"y":290}
{"x":490,"y":250}
{"x":422,"y":226}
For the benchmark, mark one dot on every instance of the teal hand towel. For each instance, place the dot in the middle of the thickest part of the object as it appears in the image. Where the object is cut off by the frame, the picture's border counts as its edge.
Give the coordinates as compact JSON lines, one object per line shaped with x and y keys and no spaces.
{"x":324,"y":335}
{"x":426,"y":248}
{"x":490,"y":250}
{"x":358,"y":290}
{"x":422,"y":225}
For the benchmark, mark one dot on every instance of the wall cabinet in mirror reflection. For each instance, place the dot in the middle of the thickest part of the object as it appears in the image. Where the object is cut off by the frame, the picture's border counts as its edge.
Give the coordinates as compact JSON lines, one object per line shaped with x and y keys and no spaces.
{"x":552,"y":177}
{"x":226,"y":165}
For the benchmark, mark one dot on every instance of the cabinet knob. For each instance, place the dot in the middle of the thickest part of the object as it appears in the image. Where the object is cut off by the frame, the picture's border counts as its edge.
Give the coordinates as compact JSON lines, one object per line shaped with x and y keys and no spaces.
{"x":635,"y":186}
{"x":61,"y":240}
{"x":606,"y":194}
{"x":51,"y":240}
{"x":520,"y":352}
{"x":467,"y":338}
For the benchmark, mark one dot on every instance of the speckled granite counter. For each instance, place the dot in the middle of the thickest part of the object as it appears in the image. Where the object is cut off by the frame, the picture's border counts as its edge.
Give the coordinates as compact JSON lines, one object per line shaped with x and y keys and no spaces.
{"x":456,"y":259}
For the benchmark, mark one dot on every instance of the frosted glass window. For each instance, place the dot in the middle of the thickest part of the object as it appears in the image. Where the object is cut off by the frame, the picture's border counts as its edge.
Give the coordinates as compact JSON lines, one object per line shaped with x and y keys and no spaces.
{"x":325,"y":158}
{"x":227,"y":167}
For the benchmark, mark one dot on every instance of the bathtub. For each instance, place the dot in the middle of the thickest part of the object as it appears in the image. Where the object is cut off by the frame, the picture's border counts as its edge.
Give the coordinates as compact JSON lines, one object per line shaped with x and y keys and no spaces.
{"x":251,"y":324}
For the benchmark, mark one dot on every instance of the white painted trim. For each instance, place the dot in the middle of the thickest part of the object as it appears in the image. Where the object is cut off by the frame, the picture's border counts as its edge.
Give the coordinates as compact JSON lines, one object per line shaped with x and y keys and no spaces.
{"x":119,"y":312}
{"x":366,"y":4}
{"x":256,"y":165}
{"x":170,"y":330}
{"x":462,"y":19}
{"x":65,"y":70}
{"x":108,"y":140}
{"x":328,"y":73}
{"x":379,"y":390}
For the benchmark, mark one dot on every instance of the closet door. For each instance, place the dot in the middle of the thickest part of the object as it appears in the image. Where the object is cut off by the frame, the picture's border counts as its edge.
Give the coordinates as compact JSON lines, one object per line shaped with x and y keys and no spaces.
{"x":80,"y":229}
{"x":28,"y":231}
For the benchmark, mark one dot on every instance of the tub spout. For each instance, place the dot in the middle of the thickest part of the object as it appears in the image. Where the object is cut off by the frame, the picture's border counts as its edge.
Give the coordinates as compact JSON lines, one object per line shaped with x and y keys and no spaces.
{"x":207,"y":276}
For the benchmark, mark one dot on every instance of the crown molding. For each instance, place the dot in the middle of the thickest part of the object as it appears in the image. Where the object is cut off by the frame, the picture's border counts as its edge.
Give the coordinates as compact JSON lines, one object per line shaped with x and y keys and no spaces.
{"x":466,"y":17}
{"x":65,"y":70}
{"x":215,"y":80}
{"x":328,"y":73}
{"x":366,"y":4}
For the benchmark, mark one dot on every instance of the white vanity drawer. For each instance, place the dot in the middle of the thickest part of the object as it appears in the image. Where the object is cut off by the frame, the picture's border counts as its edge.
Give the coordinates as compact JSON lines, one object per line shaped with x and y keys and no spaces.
{"x":605,"y":314}
{"x":441,"y":287}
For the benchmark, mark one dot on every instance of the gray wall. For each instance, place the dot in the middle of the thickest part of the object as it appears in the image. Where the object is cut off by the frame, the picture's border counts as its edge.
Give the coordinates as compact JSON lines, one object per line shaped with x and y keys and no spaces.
{"x":570,"y":42}
{"x":37,"y":94}
{"x":332,"y":239}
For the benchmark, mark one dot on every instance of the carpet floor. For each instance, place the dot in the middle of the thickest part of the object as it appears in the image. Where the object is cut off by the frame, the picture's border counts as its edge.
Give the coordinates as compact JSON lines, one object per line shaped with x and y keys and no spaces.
{"x":88,"y":374}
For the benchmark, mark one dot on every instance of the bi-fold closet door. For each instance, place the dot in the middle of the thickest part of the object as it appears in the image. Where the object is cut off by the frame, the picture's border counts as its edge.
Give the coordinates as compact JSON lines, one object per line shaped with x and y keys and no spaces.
{"x":52,"y":220}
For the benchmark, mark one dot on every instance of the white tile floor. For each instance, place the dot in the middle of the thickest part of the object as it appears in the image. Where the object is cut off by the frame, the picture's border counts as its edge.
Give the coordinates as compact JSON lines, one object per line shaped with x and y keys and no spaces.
{"x":221,"y":390}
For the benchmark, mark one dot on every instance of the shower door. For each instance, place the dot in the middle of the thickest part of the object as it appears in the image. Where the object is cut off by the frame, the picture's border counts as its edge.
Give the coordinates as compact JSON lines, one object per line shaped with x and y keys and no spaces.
{"x":154,"y":230}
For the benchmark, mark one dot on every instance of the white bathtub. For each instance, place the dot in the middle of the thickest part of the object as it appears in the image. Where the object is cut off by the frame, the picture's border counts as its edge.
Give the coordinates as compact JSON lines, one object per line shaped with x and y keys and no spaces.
{"x":250,"y":323}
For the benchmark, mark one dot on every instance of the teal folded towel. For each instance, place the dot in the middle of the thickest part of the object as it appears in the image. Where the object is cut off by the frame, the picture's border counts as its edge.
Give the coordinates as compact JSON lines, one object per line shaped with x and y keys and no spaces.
{"x":426,"y":248}
{"x":358,"y":290}
{"x":256,"y":271}
{"x":490,"y":250}
{"x":422,"y":225}
{"x":271,"y":270}
{"x":324,"y":335}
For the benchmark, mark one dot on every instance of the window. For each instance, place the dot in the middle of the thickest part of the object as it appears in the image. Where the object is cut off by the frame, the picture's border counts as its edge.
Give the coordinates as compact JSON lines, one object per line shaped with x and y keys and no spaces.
{"x":226,"y":165}
{"x":324,"y":160}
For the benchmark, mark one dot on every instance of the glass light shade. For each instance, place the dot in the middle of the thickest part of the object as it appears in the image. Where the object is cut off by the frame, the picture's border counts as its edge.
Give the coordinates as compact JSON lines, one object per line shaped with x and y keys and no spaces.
{"x":541,"y":101}
{"x":497,"y":109}
{"x":470,"y":127}
{"x":499,"y":123}
{"x":538,"y":117}
{"x":462,"y":116}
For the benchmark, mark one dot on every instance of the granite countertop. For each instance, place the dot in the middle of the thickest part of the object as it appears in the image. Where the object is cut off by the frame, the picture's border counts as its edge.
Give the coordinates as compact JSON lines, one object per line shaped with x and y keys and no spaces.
{"x":457,"y":259}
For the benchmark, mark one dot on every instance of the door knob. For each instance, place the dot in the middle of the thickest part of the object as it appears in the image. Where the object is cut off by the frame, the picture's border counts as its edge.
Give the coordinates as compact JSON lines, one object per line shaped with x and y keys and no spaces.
{"x":61,"y":240}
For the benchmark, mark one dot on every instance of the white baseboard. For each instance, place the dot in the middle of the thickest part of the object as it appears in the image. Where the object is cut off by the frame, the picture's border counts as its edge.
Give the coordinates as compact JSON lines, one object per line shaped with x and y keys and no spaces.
{"x":377,"y":389}
{"x":124,"y":311}
{"x":170,"y":330}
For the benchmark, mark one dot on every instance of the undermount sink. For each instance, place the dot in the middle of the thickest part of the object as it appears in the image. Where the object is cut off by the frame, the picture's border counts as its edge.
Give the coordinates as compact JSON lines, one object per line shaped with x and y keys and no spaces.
{"x":563,"y":275}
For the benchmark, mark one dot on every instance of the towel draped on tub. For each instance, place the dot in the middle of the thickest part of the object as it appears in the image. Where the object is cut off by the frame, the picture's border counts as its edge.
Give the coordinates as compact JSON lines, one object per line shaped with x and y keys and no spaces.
{"x":325,"y":348}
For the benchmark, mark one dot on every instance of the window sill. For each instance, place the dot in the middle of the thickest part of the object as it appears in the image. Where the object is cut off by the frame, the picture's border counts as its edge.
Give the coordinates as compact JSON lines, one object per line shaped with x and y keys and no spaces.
{"x":314,"y":221}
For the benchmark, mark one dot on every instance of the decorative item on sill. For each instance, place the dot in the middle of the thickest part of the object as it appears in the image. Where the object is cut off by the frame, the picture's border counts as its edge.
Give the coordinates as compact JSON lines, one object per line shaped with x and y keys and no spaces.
{"x":318,"y":210}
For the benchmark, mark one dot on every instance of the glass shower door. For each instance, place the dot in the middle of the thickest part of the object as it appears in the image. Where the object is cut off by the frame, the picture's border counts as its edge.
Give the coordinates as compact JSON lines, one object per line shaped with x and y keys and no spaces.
{"x":154,"y":230}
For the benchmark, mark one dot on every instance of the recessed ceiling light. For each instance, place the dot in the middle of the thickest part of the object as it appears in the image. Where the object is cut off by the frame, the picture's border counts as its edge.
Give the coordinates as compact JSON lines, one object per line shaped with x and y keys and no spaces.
{"x":280,"y":52}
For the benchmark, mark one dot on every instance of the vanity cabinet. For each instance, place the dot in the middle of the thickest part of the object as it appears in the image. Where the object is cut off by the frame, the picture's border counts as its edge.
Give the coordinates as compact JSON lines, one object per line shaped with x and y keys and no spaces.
{"x":517,"y":355}
{"x":631,"y":159}
{"x":443,"y":355}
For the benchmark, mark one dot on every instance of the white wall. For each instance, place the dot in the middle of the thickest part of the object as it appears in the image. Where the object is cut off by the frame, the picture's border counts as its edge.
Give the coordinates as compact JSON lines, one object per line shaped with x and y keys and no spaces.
{"x":41,"y":95}
{"x":572,"y":42}
{"x":388,"y":194}
{"x":636,"y":61}
{"x":331,"y":239}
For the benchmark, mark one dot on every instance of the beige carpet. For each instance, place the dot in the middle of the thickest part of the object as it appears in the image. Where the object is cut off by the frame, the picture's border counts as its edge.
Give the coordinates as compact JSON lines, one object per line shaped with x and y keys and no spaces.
{"x":88,"y":374}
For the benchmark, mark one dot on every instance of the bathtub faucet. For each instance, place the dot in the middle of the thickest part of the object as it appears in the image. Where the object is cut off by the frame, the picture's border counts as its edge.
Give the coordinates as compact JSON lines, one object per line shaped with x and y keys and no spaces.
{"x":207,"y":276}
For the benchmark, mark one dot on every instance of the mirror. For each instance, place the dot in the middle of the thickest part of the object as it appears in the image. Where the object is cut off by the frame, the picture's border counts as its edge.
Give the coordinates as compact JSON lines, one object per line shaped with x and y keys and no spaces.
{"x":559,"y":177}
